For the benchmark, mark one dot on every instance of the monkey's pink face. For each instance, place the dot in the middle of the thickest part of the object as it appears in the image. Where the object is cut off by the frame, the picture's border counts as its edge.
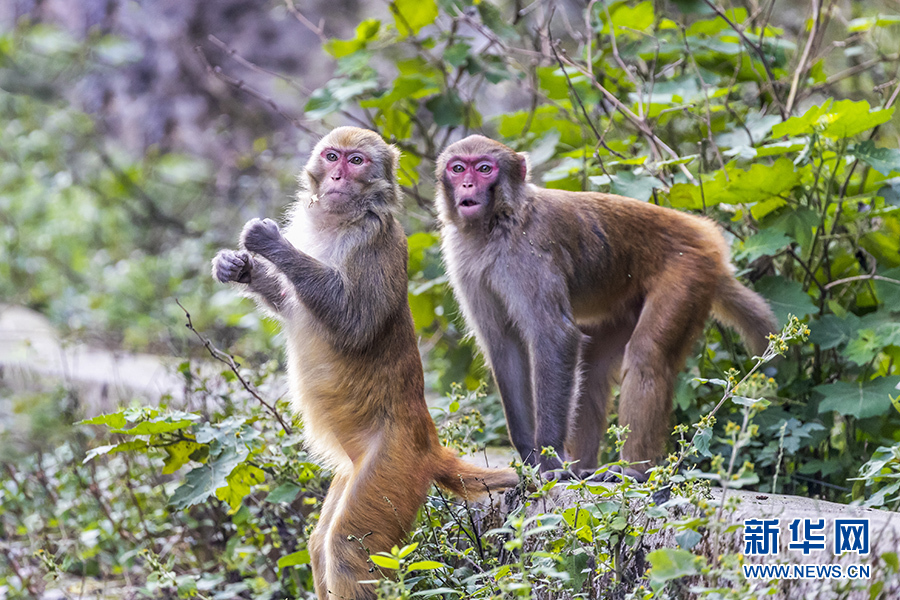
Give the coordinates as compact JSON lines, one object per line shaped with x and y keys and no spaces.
{"x":345,"y":173}
{"x":470,"y":179}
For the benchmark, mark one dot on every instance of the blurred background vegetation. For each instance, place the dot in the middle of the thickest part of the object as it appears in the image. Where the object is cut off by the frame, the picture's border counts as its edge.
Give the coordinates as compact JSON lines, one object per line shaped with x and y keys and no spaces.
{"x":137,"y":138}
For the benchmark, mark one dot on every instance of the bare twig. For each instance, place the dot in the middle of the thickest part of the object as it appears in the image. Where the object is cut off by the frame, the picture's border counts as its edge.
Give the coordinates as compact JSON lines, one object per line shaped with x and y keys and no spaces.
{"x":319,"y":29}
{"x":241,"y":85}
{"x":867,"y":277}
{"x":803,"y":65}
{"x":228,"y":359}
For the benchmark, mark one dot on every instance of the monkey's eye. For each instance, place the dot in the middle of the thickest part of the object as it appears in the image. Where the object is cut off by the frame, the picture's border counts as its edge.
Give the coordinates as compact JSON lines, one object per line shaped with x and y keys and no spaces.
{"x":457,"y":168}
{"x":356,"y":160}
{"x":331,"y":157}
{"x":485,"y":168}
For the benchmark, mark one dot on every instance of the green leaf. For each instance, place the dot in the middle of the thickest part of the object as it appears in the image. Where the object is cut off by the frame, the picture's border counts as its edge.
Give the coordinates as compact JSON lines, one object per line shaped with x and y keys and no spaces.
{"x":848,"y":118}
{"x":671,"y":563}
{"x":801,"y":125}
{"x":115,"y":448}
{"x":203,"y":481}
{"x":178,"y":454}
{"x":639,"y":187}
{"x":688,"y":538}
{"x":831,"y":331}
{"x":412,"y":15}
{"x":294,"y":559}
{"x":436,"y":592}
{"x":365,"y":32}
{"x":448,"y":109}
{"x":286,"y":493}
{"x":113,"y":420}
{"x":883,"y":160}
{"x":155,"y":427}
{"x":765,"y":243}
{"x":785,"y":297}
{"x":425,"y":565}
{"x":861,"y":400}
{"x":407,"y":550}
{"x":239,"y":484}
{"x":385,"y":562}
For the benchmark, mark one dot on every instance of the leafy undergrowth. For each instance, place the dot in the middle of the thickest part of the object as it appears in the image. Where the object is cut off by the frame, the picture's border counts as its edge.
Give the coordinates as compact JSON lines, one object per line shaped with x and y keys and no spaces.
{"x":220,"y":505}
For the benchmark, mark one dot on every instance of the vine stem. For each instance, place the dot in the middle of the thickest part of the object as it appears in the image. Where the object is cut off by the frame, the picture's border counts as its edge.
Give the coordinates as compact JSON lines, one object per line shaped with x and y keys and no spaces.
{"x":228,"y":359}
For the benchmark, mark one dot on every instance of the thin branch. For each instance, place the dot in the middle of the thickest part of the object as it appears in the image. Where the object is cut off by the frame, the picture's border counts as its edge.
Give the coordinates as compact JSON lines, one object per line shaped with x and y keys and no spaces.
{"x":241,"y":85}
{"x":228,"y":359}
{"x":757,"y":49}
{"x":868,"y":277}
{"x":802,"y":66}
{"x":319,"y":29}
{"x":641,"y":124}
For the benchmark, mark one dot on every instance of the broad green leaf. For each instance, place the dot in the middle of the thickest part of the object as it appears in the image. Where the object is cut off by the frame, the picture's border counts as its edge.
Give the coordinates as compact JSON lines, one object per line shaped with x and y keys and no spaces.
{"x":112,"y":420}
{"x":448,"y":109}
{"x":785,"y":297}
{"x":640,"y":187}
{"x":702,"y":440}
{"x":867,"y":23}
{"x":671,"y":563}
{"x":425,"y":565}
{"x":203,"y":481}
{"x":861,"y":400}
{"x":627,"y":19}
{"x":239,"y":483}
{"x":407,"y":550}
{"x":294,"y":559}
{"x":408,"y":173}
{"x":831,"y":331}
{"x":412,"y":15}
{"x":177,"y":455}
{"x":848,"y":118}
{"x":688,"y":538}
{"x":883,"y":160}
{"x":286,"y":493}
{"x":385,"y":562}
{"x":115,"y":448}
{"x":365,"y":33}
{"x":155,"y":427}
{"x":889,"y":293}
{"x":801,"y":125}
{"x":457,"y":54}
{"x":767,"y":242}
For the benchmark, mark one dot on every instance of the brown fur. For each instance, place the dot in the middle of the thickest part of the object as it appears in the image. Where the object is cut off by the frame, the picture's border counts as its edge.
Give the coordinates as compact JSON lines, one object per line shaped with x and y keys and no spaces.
{"x":566,"y":290}
{"x":337,"y":281}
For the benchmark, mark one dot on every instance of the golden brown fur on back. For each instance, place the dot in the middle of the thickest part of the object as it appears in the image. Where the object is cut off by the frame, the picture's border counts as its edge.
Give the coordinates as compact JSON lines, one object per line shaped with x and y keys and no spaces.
{"x":336,"y":278}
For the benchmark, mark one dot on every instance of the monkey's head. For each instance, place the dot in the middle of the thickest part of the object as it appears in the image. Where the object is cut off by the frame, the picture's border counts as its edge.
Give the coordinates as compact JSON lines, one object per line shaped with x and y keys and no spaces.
{"x":479,"y":179}
{"x":352,"y":169}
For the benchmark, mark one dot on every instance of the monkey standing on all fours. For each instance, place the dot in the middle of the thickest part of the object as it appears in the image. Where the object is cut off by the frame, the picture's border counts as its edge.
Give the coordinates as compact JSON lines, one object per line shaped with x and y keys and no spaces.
{"x":337,"y":281}
{"x":563,"y":290}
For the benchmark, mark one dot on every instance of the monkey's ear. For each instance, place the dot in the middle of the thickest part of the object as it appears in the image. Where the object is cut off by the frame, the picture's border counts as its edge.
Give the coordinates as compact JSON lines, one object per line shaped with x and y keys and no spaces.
{"x":524,"y":165}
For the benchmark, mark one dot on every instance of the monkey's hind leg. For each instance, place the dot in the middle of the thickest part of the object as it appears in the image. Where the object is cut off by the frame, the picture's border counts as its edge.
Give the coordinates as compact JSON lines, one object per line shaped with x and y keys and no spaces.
{"x":375,"y":513}
{"x":671,"y":320}
{"x":317,"y":547}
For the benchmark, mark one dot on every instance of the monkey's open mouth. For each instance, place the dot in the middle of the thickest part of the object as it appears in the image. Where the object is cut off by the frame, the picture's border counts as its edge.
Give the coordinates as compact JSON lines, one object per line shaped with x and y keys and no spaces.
{"x":468,"y":206}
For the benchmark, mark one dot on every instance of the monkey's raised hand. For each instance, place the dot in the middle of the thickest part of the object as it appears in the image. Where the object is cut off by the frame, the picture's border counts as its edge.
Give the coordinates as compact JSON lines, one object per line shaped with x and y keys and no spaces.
{"x":229,"y":265}
{"x":261,"y":236}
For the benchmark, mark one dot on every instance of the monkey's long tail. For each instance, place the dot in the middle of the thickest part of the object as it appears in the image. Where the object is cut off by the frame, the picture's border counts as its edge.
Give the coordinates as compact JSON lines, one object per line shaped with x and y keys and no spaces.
{"x":746,"y":311}
{"x":467,"y":480}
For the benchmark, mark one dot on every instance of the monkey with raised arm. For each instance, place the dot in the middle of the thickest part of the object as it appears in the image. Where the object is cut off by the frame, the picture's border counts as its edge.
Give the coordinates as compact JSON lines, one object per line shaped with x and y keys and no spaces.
{"x":566,"y":291}
{"x":336,"y":279}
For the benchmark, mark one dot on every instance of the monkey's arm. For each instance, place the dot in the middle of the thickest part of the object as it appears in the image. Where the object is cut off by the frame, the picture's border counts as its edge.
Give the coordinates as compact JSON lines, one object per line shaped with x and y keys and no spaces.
{"x":350,"y":311}
{"x":554,"y":345}
{"x":240,"y":267}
